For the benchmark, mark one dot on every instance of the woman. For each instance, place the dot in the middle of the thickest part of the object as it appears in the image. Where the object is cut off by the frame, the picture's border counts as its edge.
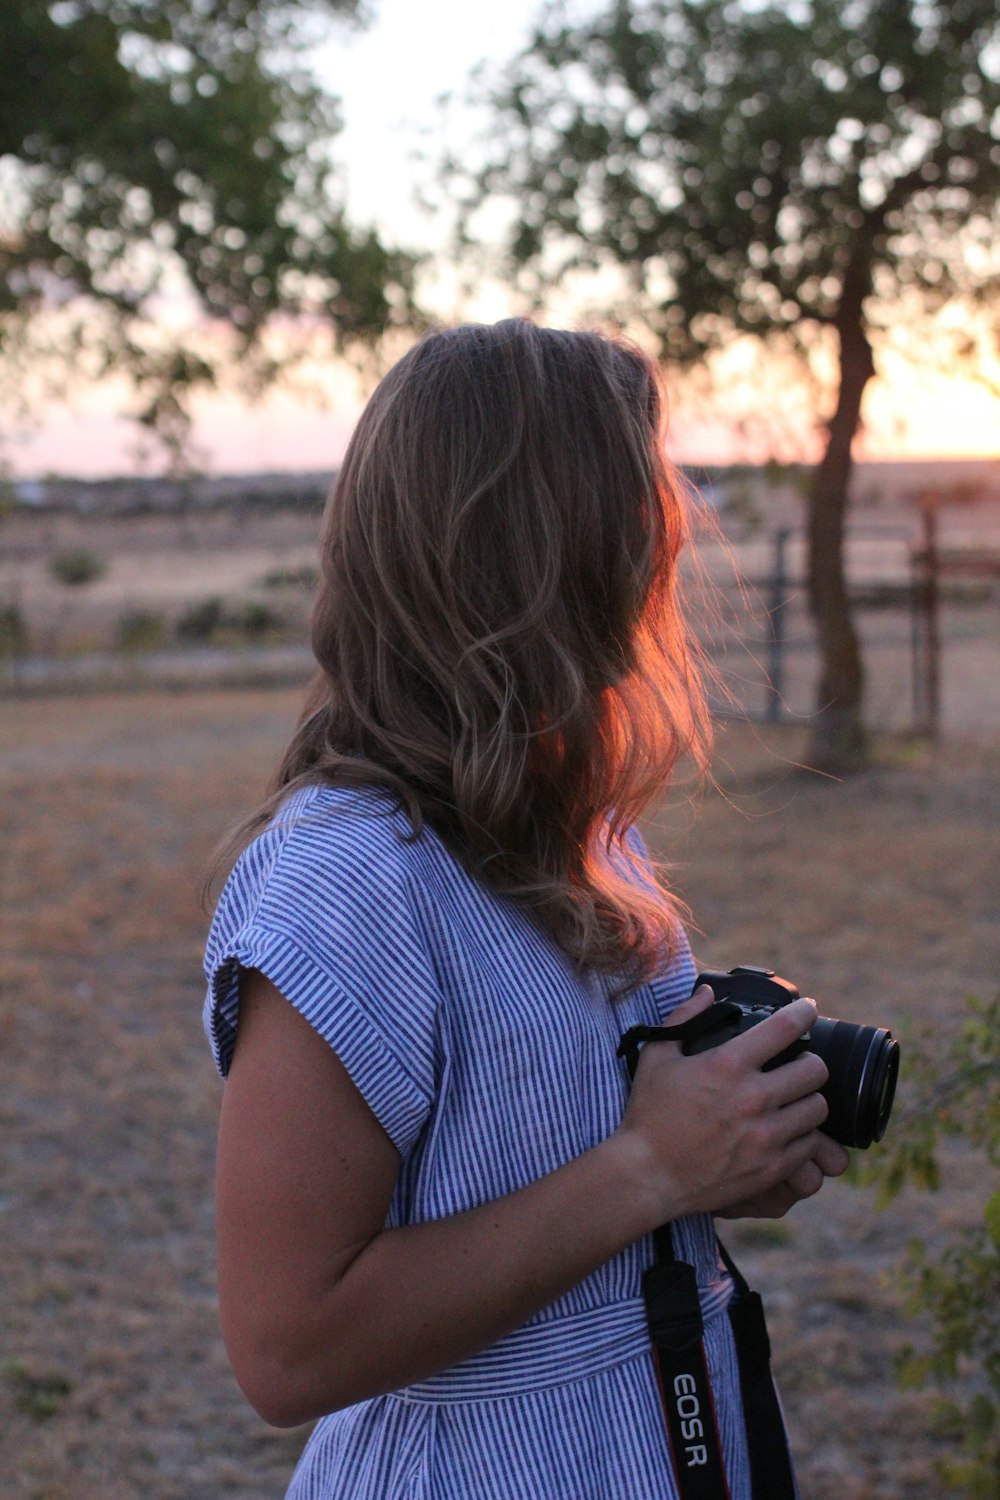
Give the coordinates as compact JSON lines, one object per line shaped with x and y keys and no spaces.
{"x":436,"y":1192}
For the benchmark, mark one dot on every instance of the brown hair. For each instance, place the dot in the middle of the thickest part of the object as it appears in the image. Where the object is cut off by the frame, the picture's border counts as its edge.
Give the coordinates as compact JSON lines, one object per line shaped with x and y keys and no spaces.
{"x":498,"y":627}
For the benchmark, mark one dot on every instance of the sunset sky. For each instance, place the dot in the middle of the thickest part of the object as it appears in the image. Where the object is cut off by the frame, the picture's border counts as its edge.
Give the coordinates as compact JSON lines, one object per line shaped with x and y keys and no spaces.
{"x":390,"y":80}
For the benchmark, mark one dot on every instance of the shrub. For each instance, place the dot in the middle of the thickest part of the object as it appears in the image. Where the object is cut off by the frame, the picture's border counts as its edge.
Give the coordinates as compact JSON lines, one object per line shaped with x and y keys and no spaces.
{"x":76,"y":566}
{"x":254,"y":619}
{"x":140,"y":630}
{"x":210,"y":619}
{"x":954,"y":1094}
{"x":38,"y":1394}
{"x":13,"y":631}
{"x":305,"y":577}
{"x":201,"y":621}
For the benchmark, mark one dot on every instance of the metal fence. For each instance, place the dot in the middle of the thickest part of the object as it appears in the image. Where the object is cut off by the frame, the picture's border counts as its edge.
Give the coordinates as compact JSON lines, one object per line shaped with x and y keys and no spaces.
{"x":926,"y":605}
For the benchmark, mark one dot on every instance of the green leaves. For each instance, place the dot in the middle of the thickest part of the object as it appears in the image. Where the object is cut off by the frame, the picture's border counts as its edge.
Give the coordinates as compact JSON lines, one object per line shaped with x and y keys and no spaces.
{"x":742,"y":154}
{"x":950,"y":1101}
{"x":39,"y":1394}
{"x":181,"y":144}
{"x":991,"y":1216}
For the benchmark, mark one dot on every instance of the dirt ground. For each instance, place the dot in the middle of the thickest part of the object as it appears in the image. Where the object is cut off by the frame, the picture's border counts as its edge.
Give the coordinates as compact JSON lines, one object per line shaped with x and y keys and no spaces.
{"x":878,"y":895}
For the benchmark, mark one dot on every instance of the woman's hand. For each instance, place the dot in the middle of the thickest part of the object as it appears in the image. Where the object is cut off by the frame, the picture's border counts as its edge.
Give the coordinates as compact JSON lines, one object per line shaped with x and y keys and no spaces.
{"x":831,"y":1160}
{"x":713,"y":1132}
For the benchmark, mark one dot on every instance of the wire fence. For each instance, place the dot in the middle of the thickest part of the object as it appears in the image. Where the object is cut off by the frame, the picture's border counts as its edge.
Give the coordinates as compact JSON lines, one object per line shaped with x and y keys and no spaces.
{"x":926,"y":607}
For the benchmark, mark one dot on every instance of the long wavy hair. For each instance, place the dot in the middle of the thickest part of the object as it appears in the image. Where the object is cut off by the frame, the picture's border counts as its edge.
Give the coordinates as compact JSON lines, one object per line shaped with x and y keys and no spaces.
{"x":498,"y":626}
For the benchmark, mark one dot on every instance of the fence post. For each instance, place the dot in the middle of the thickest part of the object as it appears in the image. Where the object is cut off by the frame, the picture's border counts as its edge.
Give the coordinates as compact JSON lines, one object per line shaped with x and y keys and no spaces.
{"x":779,"y":603}
{"x":927,"y":624}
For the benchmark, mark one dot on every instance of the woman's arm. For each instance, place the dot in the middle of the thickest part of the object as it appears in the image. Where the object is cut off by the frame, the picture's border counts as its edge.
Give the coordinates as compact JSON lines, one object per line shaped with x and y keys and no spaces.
{"x":322,"y":1306}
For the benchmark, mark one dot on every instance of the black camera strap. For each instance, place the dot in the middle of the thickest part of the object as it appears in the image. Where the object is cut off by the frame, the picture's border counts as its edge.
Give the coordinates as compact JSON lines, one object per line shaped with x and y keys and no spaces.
{"x":767,"y":1441}
{"x":673,"y":1312}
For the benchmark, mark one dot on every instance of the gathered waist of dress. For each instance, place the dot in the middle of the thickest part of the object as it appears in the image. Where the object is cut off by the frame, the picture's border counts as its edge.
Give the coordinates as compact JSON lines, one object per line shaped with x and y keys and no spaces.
{"x":554,"y":1351}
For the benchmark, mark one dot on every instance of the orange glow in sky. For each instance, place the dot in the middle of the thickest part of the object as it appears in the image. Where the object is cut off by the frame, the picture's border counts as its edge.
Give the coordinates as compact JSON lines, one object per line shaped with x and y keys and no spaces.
{"x":950,"y":418}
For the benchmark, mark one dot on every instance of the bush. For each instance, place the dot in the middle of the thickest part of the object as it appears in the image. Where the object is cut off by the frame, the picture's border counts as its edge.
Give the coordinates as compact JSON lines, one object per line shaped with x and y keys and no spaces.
{"x":77,"y":565}
{"x":13,"y":631}
{"x":210,"y":619}
{"x":254,"y":619}
{"x":201,"y":621}
{"x":954,"y":1094}
{"x":38,"y":1394}
{"x":140,"y":630}
{"x":305,"y":577}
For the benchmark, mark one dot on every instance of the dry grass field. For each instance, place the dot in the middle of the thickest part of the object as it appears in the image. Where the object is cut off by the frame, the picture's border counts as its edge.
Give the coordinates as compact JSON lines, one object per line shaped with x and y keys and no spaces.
{"x":179,"y":597}
{"x":878,"y":895}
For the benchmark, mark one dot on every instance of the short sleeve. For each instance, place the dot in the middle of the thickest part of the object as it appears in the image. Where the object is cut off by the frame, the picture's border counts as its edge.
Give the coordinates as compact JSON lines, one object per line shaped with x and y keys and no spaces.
{"x":322,"y":904}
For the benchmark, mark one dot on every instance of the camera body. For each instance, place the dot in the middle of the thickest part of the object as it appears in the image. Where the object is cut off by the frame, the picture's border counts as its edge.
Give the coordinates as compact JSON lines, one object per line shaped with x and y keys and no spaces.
{"x":862,"y":1061}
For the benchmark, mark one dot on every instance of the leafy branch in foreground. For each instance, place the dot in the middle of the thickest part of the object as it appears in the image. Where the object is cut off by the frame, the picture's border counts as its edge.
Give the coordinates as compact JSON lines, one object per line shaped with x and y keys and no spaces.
{"x":953,"y":1095}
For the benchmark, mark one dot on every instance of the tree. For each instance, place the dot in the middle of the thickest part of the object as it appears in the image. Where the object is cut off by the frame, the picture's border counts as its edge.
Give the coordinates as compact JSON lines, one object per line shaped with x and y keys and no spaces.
{"x":155,"y":153}
{"x":800,"y":173}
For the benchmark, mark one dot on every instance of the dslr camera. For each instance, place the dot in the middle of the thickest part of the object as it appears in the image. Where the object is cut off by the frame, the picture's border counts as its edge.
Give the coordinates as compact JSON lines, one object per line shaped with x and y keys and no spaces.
{"x":863,"y":1061}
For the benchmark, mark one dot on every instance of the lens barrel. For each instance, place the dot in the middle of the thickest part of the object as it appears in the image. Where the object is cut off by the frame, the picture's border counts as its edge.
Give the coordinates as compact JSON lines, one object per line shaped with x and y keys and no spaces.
{"x":863,"y":1062}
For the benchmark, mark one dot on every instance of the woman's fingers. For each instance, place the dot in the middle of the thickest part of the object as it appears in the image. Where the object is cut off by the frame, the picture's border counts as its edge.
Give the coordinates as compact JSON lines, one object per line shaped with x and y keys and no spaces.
{"x":804,"y":1182}
{"x":784,"y":1026}
{"x":717,"y":1129}
{"x":801,"y":1118}
{"x":831,"y":1158}
{"x":702,"y":998}
{"x":774,"y":1203}
{"x":805,"y":1074}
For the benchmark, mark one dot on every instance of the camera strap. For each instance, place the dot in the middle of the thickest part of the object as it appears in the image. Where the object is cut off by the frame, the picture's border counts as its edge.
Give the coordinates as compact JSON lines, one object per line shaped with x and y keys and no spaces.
{"x":673,"y":1312}
{"x":676,"y":1327}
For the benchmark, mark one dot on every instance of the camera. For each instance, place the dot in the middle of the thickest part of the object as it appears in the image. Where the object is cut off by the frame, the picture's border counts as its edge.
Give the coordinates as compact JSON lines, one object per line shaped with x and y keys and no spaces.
{"x":863,"y":1061}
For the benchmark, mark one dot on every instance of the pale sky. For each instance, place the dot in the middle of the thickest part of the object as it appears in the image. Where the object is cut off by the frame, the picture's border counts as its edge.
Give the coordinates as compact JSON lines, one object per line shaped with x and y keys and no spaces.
{"x":389,"y":78}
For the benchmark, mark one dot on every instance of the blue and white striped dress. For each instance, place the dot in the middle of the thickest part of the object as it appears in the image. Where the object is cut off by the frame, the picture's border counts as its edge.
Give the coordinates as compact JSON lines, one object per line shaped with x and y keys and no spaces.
{"x":490,"y":1062}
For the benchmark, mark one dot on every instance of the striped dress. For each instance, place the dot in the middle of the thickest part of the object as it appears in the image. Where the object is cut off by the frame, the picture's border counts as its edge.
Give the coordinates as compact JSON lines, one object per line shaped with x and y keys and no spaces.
{"x":490,"y":1062}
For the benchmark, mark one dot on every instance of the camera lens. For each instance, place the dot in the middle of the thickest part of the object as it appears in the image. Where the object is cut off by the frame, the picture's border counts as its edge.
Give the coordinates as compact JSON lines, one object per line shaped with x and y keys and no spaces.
{"x":863,"y":1063}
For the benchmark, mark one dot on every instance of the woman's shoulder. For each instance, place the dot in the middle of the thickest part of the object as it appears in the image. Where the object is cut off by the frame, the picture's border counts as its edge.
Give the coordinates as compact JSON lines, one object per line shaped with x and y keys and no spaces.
{"x":324,"y":847}
{"x":323,"y":903}
{"x":355,"y":825}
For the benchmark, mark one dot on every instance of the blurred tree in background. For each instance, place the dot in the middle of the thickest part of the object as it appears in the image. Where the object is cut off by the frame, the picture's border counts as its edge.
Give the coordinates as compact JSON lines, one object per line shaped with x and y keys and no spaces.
{"x":167,"y":156}
{"x":805,"y":174}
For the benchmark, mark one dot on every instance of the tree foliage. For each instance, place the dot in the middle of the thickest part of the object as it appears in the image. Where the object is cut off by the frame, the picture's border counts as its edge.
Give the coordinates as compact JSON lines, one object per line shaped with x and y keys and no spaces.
{"x":738,"y":156}
{"x":159,"y":152}
{"x":951,"y":1100}
{"x":802,"y":173}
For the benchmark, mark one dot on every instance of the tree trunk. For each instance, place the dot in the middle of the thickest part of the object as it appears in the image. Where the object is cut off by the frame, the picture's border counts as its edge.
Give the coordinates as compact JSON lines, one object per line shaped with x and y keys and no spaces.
{"x":839,"y":742}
